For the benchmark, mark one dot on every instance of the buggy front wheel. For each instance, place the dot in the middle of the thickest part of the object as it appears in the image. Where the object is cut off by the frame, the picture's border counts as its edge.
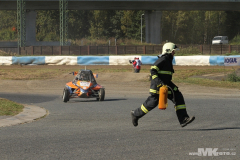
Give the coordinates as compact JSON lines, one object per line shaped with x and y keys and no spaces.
{"x":65,"y":95}
{"x":101,"y":94}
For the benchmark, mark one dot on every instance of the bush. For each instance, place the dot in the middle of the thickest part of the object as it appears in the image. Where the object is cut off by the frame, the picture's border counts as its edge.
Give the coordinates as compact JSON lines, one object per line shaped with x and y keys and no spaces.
{"x":7,"y":35}
{"x":3,"y":53}
{"x":235,"y":40}
{"x":105,"y":42}
{"x":188,"y":51}
{"x":232,"y":53}
{"x":233,"y":77}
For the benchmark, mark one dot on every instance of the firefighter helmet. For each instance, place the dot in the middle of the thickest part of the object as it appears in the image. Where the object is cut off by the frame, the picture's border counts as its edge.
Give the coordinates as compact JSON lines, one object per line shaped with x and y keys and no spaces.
{"x":169,"y":47}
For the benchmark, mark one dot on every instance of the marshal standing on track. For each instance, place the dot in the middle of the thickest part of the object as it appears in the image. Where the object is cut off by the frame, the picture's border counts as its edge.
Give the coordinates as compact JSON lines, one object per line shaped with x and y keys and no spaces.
{"x":161,"y":74}
{"x":136,"y":64}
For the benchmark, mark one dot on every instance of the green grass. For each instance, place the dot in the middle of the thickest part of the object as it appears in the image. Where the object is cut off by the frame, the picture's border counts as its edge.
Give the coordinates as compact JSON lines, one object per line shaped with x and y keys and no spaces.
{"x":8,"y":107}
{"x":212,"y":83}
{"x":186,"y":76}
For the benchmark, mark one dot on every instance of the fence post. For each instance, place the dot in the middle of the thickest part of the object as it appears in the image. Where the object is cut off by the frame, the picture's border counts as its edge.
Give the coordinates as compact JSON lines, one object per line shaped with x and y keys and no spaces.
{"x":201,"y":48}
{"x":116,"y":50}
{"x":60,"y":50}
{"x":210,"y":47}
{"x":97,"y":50}
{"x":52,"y":50}
{"x":88,"y":50}
{"x":40,"y":50}
{"x":79,"y":50}
{"x":144,"y":49}
{"x":32,"y":50}
{"x":221,"y":49}
{"x":229,"y":49}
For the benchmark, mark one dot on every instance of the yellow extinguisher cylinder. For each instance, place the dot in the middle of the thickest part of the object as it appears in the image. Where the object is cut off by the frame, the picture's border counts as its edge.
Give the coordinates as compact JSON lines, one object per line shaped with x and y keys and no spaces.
{"x":163,"y":94}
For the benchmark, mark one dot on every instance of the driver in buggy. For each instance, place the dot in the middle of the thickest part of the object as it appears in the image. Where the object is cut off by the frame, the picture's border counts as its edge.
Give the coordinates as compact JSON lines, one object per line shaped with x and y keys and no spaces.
{"x":82,"y":75}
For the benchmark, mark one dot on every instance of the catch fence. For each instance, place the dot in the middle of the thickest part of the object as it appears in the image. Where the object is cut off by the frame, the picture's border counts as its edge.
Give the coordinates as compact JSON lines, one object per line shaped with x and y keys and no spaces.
{"x":115,"y":50}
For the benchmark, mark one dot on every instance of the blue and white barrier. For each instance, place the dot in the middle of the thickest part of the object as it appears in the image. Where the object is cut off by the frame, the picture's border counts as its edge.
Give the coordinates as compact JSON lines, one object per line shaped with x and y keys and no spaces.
{"x":119,"y":60}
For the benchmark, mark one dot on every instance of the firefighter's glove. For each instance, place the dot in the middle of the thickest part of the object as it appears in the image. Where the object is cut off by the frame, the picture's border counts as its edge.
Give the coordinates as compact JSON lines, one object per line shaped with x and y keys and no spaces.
{"x":160,"y":85}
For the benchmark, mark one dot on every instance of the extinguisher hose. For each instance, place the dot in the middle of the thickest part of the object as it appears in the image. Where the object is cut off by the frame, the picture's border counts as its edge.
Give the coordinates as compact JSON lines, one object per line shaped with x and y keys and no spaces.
{"x":173,"y":99}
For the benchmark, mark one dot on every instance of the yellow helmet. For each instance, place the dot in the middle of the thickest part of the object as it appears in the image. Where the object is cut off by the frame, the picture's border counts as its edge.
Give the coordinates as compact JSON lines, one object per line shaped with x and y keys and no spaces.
{"x":169,"y":47}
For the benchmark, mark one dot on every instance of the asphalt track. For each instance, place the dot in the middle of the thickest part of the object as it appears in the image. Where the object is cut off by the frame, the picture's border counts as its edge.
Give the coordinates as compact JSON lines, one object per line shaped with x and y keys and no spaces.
{"x":88,"y":129}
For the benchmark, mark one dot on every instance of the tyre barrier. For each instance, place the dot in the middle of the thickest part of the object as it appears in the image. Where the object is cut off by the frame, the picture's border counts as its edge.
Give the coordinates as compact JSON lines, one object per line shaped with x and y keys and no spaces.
{"x":119,"y":60}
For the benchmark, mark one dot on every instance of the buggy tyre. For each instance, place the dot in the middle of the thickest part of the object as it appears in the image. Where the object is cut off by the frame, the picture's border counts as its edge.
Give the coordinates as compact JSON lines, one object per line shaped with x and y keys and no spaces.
{"x":66,"y":94}
{"x":101,"y":93}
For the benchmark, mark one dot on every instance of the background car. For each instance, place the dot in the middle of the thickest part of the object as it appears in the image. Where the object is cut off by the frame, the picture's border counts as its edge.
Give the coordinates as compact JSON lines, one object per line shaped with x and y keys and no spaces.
{"x":220,"y":40}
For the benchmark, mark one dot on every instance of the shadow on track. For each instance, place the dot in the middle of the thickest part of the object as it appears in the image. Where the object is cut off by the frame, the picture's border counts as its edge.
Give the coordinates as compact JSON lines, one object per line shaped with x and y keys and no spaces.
{"x":209,"y":129}
{"x":94,"y":100}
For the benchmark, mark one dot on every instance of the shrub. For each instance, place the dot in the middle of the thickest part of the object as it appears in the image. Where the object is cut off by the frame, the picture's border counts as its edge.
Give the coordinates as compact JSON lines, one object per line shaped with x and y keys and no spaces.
{"x":188,"y":51}
{"x":7,"y":35}
{"x":233,"y":77}
{"x":235,"y":40}
{"x":233,"y":53}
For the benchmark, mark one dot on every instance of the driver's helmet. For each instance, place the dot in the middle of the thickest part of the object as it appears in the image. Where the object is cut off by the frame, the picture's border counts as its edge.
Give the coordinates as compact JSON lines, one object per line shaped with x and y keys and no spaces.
{"x":83,"y":76}
{"x":169,"y":47}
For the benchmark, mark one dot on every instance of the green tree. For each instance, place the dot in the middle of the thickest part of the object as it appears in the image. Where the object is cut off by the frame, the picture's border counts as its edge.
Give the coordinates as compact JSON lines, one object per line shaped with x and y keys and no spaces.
{"x":106,"y":24}
{"x":8,"y":21}
{"x":232,"y":23}
{"x":79,"y":24}
{"x":131,"y":24}
{"x":47,"y":25}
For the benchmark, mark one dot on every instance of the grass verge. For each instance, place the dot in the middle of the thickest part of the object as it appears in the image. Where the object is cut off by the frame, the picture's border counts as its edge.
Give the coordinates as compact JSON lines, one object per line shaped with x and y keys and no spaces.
{"x":212,"y":83}
{"x":187,"y":76}
{"x":10,"y":108}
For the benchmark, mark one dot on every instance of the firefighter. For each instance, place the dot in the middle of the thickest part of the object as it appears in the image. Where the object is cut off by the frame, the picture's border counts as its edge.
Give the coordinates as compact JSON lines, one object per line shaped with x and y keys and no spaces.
{"x":137,"y":65}
{"x":161,"y":74}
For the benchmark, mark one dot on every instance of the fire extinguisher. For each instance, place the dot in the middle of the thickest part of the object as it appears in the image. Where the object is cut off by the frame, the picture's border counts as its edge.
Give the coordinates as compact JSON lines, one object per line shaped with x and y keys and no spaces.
{"x":163,"y":95}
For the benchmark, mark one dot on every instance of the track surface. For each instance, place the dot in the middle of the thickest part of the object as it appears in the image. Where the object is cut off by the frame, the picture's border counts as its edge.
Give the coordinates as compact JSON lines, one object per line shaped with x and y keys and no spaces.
{"x":87,"y":129}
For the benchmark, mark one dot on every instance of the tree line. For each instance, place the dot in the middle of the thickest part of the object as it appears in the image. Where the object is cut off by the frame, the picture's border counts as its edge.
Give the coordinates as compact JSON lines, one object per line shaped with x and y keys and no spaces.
{"x":182,"y":27}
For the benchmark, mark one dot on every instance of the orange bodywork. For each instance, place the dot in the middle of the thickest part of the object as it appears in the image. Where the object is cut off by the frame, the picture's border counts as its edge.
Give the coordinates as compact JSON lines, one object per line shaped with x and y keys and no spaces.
{"x":84,"y":85}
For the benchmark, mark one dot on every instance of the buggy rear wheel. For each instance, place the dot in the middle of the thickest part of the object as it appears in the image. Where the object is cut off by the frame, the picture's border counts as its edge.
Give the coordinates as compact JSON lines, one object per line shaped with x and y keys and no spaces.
{"x":101,"y":94}
{"x":65,"y":95}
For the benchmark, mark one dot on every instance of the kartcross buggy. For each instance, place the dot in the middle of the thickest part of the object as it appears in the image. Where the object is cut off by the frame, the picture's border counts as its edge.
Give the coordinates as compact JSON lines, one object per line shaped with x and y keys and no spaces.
{"x":83,"y":86}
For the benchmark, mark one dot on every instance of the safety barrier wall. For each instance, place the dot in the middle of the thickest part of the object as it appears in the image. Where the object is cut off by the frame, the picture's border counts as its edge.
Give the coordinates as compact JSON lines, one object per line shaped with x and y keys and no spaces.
{"x":118,"y":60}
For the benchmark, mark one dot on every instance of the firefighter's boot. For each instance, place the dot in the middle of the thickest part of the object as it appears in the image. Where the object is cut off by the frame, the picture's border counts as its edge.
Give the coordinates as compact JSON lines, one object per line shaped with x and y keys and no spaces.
{"x":183,"y":117}
{"x":134,"y":119}
{"x":187,"y":120}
